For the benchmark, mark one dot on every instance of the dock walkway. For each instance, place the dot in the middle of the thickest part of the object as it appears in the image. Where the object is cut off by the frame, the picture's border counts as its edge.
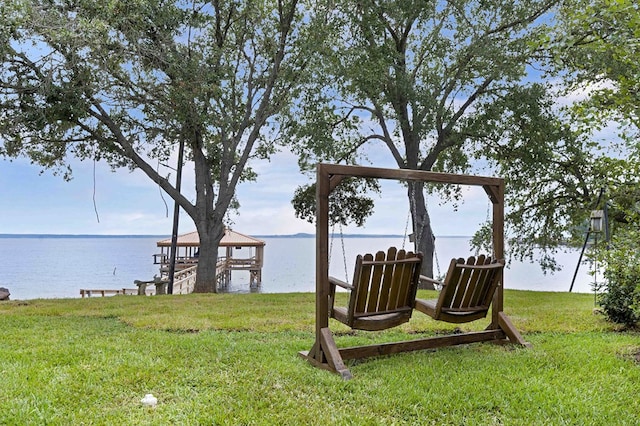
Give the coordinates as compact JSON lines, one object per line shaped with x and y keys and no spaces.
{"x":184,"y":281}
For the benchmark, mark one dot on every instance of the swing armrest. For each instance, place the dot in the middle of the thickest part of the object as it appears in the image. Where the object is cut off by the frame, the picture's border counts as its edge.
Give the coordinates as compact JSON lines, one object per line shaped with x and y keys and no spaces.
{"x":336,"y":282}
{"x":333,"y":282}
{"x":424,"y":278}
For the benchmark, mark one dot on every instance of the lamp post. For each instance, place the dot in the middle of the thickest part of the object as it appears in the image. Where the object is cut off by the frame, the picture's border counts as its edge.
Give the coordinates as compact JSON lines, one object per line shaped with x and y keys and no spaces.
{"x":596,"y":226}
{"x":176,"y":218}
{"x":598,"y":223}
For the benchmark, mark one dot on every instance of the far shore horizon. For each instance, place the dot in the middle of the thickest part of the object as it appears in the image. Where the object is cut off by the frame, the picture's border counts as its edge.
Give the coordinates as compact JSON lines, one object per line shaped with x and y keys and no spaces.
{"x":164,"y":236}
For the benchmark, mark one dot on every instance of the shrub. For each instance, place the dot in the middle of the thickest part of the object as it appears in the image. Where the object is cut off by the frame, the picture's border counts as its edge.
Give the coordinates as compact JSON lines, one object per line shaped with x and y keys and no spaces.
{"x":621,"y":298}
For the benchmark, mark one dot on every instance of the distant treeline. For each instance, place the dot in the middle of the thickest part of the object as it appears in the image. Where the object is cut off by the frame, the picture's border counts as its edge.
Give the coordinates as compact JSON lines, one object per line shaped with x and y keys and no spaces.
{"x":298,"y":235}
{"x":79,"y":236}
{"x":305,"y":235}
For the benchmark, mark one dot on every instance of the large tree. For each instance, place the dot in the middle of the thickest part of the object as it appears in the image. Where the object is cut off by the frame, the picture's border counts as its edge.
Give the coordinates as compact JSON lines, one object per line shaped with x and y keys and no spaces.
{"x":590,"y":139}
{"x":431,"y":81}
{"x":126,"y":81}
{"x":597,"y":51}
{"x":598,"y":55}
{"x":554,"y":172}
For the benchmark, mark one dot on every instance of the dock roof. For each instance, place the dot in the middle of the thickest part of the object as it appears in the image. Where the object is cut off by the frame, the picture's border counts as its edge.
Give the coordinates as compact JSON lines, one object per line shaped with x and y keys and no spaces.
{"x":231,"y":239}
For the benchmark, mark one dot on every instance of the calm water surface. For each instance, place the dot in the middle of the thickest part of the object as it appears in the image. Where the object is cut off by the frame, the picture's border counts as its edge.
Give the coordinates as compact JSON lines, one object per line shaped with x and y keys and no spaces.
{"x":47,"y":267}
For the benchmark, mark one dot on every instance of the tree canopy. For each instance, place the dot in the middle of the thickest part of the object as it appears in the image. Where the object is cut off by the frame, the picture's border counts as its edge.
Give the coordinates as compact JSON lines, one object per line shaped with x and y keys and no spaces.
{"x":596,"y":52}
{"x":126,"y":81}
{"x":451,"y":86}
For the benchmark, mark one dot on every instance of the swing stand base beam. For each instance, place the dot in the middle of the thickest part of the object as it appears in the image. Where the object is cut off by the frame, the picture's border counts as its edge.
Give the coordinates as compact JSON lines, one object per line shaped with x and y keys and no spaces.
{"x":326,"y":355}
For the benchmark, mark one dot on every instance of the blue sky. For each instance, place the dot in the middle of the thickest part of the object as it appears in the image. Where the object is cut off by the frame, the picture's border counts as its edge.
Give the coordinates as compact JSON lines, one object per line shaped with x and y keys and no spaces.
{"x":129,"y":203}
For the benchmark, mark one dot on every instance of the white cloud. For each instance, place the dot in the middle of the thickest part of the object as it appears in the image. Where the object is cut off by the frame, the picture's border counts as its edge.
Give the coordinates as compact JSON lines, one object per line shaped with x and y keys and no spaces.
{"x":279,"y":220}
{"x":580,"y":93}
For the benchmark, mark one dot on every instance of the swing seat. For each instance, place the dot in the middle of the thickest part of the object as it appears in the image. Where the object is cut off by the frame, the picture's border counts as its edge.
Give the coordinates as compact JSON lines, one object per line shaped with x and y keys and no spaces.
{"x":467,"y":290}
{"x":383,"y":291}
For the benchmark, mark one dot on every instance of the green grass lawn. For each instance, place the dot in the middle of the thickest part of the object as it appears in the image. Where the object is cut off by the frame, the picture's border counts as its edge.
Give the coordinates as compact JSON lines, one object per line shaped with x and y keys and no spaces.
{"x":232,"y":359}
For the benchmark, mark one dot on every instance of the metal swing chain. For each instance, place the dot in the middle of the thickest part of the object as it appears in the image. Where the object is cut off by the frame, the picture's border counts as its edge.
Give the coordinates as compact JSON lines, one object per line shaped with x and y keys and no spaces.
{"x":333,"y":228}
{"x":493,"y":253}
{"x":406,"y":227}
{"x":435,"y":256}
{"x":344,"y":256}
{"x":344,"y":253}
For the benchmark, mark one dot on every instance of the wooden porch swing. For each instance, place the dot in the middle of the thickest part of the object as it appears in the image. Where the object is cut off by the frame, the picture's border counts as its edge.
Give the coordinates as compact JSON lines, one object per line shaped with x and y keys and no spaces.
{"x":383,"y":292}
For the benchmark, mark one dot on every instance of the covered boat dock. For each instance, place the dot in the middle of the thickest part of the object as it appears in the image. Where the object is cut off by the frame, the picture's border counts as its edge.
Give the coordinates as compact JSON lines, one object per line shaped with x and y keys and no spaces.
{"x":238,"y":252}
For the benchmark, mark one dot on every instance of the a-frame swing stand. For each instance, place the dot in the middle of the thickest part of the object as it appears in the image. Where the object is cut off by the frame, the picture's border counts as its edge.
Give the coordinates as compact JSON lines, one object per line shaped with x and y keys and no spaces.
{"x":324,"y":353}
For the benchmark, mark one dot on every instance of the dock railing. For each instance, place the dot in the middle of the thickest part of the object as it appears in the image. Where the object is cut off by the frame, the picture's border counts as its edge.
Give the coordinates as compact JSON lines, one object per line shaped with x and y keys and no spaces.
{"x":184,"y":280}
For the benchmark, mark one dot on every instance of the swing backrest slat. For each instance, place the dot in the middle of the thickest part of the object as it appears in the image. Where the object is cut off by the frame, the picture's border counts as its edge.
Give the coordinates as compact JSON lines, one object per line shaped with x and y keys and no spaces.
{"x":406,"y":294}
{"x":362,"y":273}
{"x":397,"y":290}
{"x":376,"y":283}
{"x":382,"y":299}
{"x":473,"y":282}
{"x":481,"y":285}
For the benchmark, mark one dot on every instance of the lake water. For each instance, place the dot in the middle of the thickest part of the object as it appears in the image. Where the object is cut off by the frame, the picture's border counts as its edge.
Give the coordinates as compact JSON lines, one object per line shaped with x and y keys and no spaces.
{"x":58,"y":267}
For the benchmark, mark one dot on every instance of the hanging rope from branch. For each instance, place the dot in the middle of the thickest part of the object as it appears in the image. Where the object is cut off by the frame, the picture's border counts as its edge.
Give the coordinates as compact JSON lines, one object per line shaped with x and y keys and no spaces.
{"x":95,"y":206}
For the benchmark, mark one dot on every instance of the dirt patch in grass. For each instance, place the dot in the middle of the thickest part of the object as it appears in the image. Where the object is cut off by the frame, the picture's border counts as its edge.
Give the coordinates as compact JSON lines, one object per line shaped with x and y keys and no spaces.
{"x":182,"y":330}
{"x":630,"y":353}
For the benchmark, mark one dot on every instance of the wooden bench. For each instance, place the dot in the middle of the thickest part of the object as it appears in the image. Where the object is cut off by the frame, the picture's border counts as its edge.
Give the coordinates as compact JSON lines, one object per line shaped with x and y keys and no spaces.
{"x":106,"y":292}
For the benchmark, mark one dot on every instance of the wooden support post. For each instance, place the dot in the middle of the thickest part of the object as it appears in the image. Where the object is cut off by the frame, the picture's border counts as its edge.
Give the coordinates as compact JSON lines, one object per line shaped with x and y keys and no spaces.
{"x":322,"y":257}
{"x":334,"y":359}
{"x":496,"y":195}
{"x":511,"y":331}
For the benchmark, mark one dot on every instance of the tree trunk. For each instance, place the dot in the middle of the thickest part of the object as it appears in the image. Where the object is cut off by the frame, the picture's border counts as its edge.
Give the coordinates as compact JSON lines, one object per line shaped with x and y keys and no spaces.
{"x":210,"y":236}
{"x":424,"y":240}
